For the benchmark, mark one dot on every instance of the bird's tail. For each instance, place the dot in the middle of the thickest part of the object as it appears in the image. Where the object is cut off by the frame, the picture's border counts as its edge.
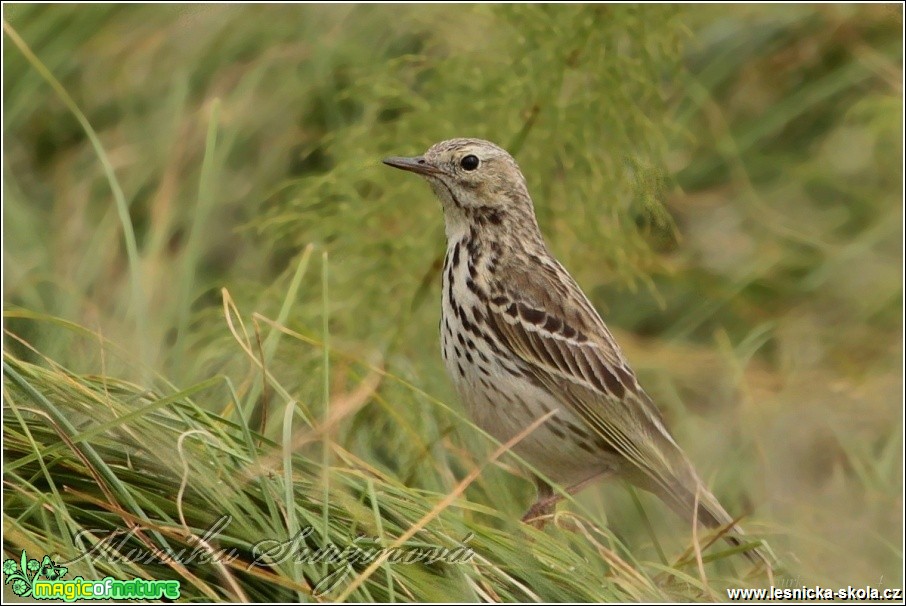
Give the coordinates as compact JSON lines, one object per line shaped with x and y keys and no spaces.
{"x":684,"y":490}
{"x":711,"y":514}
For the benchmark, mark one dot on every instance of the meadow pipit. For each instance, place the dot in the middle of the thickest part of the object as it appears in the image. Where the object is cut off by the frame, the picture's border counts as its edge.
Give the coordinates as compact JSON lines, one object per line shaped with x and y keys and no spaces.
{"x":521,"y":339}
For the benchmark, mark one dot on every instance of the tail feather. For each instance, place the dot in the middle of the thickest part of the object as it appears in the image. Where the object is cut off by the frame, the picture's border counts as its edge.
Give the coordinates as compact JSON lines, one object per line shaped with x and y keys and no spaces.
{"x":679,"y":494}
{"x":711,"y":514}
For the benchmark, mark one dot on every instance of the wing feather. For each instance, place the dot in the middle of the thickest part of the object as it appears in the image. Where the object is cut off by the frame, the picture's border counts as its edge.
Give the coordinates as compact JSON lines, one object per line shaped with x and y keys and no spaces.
{"x":577,"y":361}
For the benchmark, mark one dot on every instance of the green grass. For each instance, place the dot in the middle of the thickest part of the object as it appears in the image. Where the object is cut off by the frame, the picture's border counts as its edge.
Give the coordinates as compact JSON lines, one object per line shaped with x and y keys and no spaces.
{"x":725,"y":183}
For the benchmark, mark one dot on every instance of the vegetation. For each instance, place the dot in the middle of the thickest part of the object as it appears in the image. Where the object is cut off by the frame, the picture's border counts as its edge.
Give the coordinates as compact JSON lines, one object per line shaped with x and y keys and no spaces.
{"x":217,"y":301}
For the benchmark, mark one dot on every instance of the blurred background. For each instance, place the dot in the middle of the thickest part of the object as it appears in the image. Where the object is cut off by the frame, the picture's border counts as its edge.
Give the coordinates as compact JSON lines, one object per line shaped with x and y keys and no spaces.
{"x":724,"y":182}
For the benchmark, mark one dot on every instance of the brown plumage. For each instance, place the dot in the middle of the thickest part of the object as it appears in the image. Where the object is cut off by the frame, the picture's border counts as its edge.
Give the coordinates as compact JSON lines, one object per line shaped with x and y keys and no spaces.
{"x":520,"y":339}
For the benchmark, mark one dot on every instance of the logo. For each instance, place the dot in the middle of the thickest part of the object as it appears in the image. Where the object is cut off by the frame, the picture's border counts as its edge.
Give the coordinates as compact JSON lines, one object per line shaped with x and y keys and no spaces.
{"x":24,"y":573}
{"x":43,"y":580}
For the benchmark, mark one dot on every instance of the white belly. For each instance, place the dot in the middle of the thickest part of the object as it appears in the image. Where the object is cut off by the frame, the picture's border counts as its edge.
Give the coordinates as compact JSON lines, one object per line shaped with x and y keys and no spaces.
{"x":503,"y":400}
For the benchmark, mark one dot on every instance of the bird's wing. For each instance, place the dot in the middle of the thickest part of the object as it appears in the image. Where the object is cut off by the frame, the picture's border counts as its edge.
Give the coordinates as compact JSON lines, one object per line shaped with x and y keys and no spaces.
{"x":544,"y":319}
{"x":552,"y":327}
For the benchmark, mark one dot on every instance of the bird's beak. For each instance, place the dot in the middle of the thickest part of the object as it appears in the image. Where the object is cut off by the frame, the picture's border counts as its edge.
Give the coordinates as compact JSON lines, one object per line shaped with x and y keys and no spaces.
{"x":416,"y":165}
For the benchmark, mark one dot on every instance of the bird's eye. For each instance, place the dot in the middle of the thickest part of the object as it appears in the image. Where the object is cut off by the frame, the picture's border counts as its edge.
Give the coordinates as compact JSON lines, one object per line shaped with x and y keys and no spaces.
{"x":469,"y":162}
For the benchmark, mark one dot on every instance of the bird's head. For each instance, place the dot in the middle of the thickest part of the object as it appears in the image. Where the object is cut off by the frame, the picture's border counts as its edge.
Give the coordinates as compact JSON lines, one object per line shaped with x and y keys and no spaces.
{"x":477,"y":182}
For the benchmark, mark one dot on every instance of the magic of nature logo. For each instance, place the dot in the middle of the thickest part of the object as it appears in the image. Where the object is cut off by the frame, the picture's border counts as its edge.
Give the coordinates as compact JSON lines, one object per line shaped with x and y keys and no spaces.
{"x":43,"y":580}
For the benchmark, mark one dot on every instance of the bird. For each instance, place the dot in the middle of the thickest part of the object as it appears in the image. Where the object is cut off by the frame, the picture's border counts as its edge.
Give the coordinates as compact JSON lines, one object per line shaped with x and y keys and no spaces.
{"x":520,"y":340}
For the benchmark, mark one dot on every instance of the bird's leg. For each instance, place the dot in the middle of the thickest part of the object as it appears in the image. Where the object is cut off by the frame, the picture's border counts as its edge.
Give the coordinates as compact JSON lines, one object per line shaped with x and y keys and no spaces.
{"x":544,"y":505}
{"x":581,"y":485}
{"x":547,"y":500}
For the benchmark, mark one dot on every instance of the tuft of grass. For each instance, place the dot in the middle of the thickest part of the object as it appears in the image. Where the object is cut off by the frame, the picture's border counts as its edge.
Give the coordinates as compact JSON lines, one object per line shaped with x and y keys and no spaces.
{"x":129,"y":475}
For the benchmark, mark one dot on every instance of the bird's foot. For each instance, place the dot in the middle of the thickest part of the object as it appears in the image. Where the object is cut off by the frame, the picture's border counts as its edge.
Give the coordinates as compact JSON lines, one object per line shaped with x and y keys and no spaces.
{"x":539,"y":513}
